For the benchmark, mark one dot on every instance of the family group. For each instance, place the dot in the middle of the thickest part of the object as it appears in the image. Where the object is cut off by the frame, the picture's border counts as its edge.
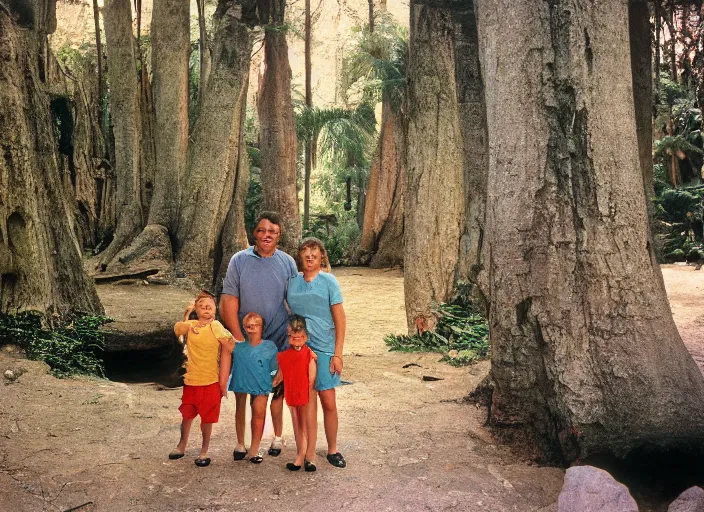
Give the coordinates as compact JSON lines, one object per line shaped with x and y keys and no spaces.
{"x":295,"y":331}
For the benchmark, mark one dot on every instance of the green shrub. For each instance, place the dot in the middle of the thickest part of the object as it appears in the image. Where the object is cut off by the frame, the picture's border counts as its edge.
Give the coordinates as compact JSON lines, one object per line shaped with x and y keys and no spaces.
{"x":71,"y":347}
{"x":461,"y":335}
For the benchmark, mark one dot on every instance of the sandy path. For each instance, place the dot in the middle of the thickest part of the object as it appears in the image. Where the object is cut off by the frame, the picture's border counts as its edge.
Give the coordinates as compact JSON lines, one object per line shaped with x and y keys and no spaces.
{"x":410,"y":445}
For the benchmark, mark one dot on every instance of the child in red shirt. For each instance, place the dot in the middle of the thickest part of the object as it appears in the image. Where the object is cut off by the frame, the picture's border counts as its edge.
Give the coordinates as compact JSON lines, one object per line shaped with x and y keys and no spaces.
{"x":297,"y":368}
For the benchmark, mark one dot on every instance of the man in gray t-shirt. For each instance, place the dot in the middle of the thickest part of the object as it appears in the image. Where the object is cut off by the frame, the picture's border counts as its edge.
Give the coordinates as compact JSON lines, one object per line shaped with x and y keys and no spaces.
{"x":256,"y":280}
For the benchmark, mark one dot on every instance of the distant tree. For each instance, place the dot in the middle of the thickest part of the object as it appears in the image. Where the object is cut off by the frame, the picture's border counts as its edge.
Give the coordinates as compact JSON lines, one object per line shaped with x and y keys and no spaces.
{"x":277,"y":133}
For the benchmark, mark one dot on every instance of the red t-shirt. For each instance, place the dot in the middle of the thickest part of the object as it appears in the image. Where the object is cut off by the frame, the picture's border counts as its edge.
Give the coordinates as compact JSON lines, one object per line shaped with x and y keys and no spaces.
{"x":294,"y":367}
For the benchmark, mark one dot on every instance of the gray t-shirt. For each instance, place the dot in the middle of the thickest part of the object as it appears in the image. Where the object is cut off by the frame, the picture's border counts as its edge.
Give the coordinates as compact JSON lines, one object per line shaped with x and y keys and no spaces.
{"x":260,"y":284}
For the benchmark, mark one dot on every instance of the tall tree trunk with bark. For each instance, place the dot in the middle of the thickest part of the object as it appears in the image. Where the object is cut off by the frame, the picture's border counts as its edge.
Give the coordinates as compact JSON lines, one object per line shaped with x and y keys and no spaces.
{"x":475,"y":153}
{"x":277,"y":133}
{"x":99,"y":52}
{"x":234,"y":233}
{"x":126,"y":121}
{"x":40,"y":258}
{"x":382,"y":230}
{"x":585,"y":355}
{"x":170,"y":37}
{"x":641,"y":69}
{"x":435,"y":202}
{"x":310,"y":144}
{"x":213,"y":153}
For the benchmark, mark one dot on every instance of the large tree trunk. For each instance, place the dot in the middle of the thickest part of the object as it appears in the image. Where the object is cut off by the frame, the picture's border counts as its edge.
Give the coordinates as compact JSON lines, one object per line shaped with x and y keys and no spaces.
{"x":234,"y":234}
{"x":170,"y":32}
{"x":277,"y":133}
{"x":435,"y":200}
{"x":126,"y":121}
{"x":382,"y":230}
{"x":40,"y":258}
{"x":310,"y":144}
{"x":641,"y":71}
{"x":472,"y":111}
{"x":585,"y":355}
{"x":212,"y":157}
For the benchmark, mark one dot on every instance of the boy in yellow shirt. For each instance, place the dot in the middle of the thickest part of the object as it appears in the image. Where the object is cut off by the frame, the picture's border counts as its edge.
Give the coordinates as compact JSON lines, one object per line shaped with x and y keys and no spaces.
{"x":204,"y":383}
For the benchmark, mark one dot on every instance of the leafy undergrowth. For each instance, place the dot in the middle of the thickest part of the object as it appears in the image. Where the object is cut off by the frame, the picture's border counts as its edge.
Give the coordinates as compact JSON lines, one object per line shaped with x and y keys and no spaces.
{"x":461,"y":335}
{"x":70,"y":347}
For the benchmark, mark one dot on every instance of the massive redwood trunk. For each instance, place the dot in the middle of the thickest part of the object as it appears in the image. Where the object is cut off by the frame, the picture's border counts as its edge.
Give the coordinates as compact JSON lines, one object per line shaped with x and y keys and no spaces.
{"x":40,"y":258}
{"x":213,"y":153}
{"x":435,"y":202}
{"x":585,"y":355}
{"x":641,"y":71}
{"x":170,"y":32}
{"x":475,"y":153}
{"x":382,"y":231}
{"x":277,"y":133}
{"x":126,"y":122}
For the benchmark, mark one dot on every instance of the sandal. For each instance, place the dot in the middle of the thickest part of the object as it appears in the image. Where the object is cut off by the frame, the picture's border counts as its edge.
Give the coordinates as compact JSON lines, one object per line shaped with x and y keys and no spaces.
{"x":201,"y":463}
{"x":309,"y":467}
{"x":276,"y":445}
{"x":337,"y":460}
{"x":292,"y":467}
{"x":237,"y":455}
{"x":257,"y":459}
{"x":175,"y":455}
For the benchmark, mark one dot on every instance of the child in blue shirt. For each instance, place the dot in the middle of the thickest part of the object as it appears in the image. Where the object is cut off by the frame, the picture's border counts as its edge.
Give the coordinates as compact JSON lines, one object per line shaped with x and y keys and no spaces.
{"x":253,"y":362}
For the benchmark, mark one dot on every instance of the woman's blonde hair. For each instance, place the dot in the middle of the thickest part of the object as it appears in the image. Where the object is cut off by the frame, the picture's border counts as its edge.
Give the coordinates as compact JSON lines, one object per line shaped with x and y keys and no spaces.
{"x":311,"y":243}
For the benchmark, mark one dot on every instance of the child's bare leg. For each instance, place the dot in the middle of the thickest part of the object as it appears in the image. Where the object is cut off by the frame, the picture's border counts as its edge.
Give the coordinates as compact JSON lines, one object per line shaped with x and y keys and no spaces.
{"x":207,"y":430}
{"x":299,"y":433}
{"x":258,"y":417}
{"x":310,"y":417}
{"x":185,"y":430}
{"x":240,"y":419}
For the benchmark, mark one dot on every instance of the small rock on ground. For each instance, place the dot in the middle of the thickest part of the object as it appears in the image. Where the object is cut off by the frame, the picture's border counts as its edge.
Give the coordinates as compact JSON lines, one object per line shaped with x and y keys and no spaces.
{"x":691,"y":500}
{"x":589,"y":489}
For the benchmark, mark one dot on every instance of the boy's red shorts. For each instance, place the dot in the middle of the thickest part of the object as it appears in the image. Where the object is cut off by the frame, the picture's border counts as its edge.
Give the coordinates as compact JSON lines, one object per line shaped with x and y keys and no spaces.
{"x":203,"y":400}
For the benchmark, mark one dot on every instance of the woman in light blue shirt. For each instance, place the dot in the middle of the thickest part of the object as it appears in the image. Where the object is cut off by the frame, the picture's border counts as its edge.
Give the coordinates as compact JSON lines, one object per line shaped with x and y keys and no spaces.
{"x":316,"y":296}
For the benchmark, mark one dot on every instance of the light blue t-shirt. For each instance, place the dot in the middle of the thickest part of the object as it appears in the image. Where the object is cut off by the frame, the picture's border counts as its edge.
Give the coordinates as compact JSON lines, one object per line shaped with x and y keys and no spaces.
{"x":312,"y":301}
{"x":252,"y":367}
{"x":260,"y":284}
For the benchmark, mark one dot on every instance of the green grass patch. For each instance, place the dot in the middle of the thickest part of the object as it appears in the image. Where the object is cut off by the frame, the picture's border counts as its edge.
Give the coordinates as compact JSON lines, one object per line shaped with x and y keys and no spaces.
{"x":461,"y":335}
{"x":72,"y":346}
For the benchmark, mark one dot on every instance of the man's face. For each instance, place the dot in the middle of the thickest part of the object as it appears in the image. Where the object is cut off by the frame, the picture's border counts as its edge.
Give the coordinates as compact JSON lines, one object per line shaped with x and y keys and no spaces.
{"x":266,"y":236}
{"x":297,"y":338}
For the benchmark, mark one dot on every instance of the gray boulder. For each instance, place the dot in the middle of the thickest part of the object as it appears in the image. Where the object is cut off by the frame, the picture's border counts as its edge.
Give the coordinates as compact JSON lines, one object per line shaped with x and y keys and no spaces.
{"x":589,"y":489}
{"x":691,"y":500}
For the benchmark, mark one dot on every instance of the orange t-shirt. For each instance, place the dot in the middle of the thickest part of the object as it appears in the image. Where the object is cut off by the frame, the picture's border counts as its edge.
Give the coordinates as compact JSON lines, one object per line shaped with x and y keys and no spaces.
{"x":203,"y":352}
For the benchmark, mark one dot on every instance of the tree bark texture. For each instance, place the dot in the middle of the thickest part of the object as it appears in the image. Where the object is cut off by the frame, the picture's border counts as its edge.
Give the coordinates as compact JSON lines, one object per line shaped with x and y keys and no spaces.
{"x":641,"y":71}
{"x":234,"y":234}
{"x":40,"y":258}
{"x":435,"y":203}
{"x":170,"y":52}
{"x":475,"y":153}
{"x":585,"y":355}
{"x":277,"y":130}
{"x":213,"y":155}
{"x":126,"y":121}
{"x":382,"y":230}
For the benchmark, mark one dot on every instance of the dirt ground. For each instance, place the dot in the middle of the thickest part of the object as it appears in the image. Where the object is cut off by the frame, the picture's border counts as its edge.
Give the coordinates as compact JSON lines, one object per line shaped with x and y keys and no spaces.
{"x":97,"y":445}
